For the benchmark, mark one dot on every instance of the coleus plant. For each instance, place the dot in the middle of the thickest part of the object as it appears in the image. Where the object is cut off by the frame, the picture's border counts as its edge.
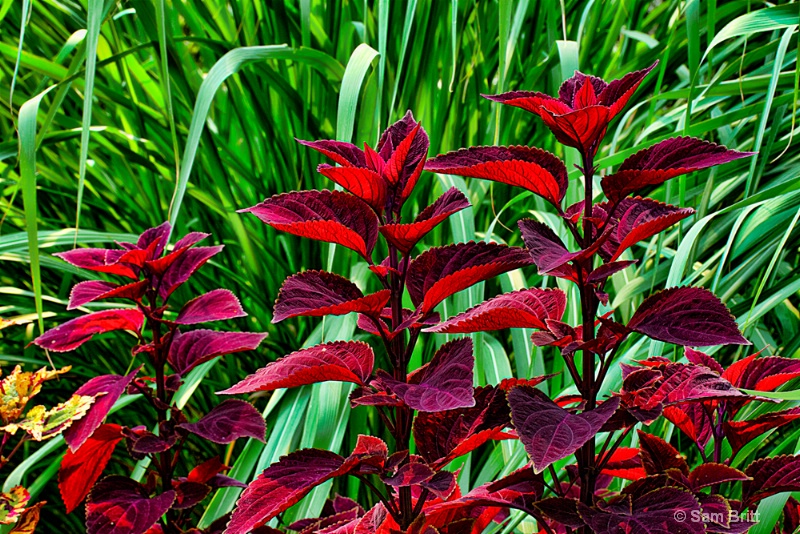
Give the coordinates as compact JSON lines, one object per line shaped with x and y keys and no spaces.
{"x":151,"y":273}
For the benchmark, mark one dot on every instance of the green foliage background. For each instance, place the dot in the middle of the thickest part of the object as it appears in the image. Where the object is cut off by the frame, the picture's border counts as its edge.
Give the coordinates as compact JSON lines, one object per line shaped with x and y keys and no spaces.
{"x":194,"y":104}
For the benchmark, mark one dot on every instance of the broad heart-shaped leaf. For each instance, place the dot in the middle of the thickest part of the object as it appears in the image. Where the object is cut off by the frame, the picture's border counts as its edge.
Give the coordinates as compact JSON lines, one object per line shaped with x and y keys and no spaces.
{"x":405,"y":236}
{"x":106,"y":389}
{"x":319,"y":293}
{"x":690,"y":316}
{"x":740,"y":433}
{"x":92,"y":290}
{"x":443,"y":384}
{"x":548,"y":251}
{"x":228,"y":421}
{"x":284,"y":483}
{"x":526,"y":308}
{"x":80,"y":469}
{"x":41,"y":423}
{"x":762,"y":374}
{"x":74,"y":333}
{"x":440,"y":272}
{"x":639,"y":219}
{"x":656,"y":512}
{"x":665,"y":160}
{"x":711,"y":474}
{"x":770,"y":476}
{"x":658,"y":456}
{"x":548,"y":431}
{"x":364,"y":183}
{"x":331,"y":216}
{"x":216,"y":305}
{"x":345,"y":154}
{"x":533,"y":169}
{"x":342,"y":361}
{"x":184,"y":266}
{"x":120,"y":505}
{"x":190,"y":349}
{"x":445,"y":435}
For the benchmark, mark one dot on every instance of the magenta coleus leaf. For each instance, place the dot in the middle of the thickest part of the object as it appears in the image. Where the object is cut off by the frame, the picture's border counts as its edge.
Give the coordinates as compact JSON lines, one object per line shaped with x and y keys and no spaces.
{"x":80,"y":469}
{"x":228,"y":421}
{"x":343,"y":361}
{"x":548,"y":431}
{"x":404,"y":147}
{"x":74,"y":333}
{"x":92,"y":290}
{"x":319,"y":293}
{"x":118,"y":262}
{"x":549,"y":252}
{"x":712,"y":473}
{"x":331,"y":216}
{"x":533,"y":169}
{"x":762,"y":374}
{"x":443,"y":384}
{"x":658,"y":456}
{"x":665,"y":160}
{"x":639,"y":219}
{"x":183,"y":267}
{"x":120,"y":505}
{"x":107,"y":389}
{"x":661,"y":511}
{"x":190,"y":349}
{"x":216,"y":305}
{"x":526,"y":308}
{"x":770,"y":476}
{"x":440,"y":272}
{"x":405,"y":236}
{"x":346,"y":154}
{"x":690,"y":316}
{"x":740,"y":433}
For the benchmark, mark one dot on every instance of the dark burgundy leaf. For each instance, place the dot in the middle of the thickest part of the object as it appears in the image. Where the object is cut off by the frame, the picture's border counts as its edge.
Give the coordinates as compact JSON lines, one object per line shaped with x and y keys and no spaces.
{"x":665,"y":160}
{"x":599,"y":275}
{"x":155,"y":239}
{"x":106,"y":389}
{"x":700,"y":358}
{"x":740,"y":433}
{"x":74,"y":333}
{"x":345,"y":154}
{"x":361,"y":182}
{"x":550,"y":432}
{"x":658,"y":456}
{"x":319,"y":293}
{"x":440,"y":272}
{"x":141,"y":441}
{"x":710,"y":474}
{"x":342,"y":361}
{"x":687,"y":316}
{"x":404,"y":146}
{"x":536,"y":170}
{"x":549,"y":252}
{"x":190,"y":239}
{"x":410,"y":474}
{"x":229,"y":421}
{"x":80,"y":469}
{"x":526,"y":308}
{"x":762,"y":374}
{"x":444,"y":384}
{"x":405,"y":236}
{"x":120,"y":505}
{"x":190,"y":349}
{"x":330,"y":216}
{"x":207,"y":470}
{"x":118,"y":262}
{"x":692,"y":419}
{"x":770,"y":476}
{"x":216,"y":305}
{"x":92,"y":290}
{"x":183,"y":267}
{"x":189,"y":494}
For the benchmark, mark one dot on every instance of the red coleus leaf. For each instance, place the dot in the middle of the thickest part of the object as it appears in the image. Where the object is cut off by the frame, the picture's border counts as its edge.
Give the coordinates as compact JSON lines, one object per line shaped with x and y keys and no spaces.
{"x":228,"y":421}
{"x":536,"y":170}
{"x":440,"y":272}
{"x":580,"y":116}
{"x":80,"y":469}
{"x":711,"y":474}
{"x":687,"y":316}
{"x":549,"y":252}
{"x":526,"y":308}
{"x":207,"y":470}
{"x":770,"y":476}
{"x":118,"y":262}
{"x":602,"y":272}
{"x":665,"y":160}
{"x":284,"y":483}
{"x":319,"y":293}
{"x":658,"y":456}
{"x":700,"y":358}
{"x":521,"y":490}
{"x":361,"y":182}
{"x":331,"y":216}
{"x":106,"y":389}
{"x":405,"y":236}
{"x":443,"y":384}
{"x":92,"y":290}
{"x":183,"y":267}
{"x":550,"y":432}
{"x":639,"y":219}
{"x":190,"y":349}
{"x":664,"y":510}
{"x":404,"y":146}
{"x":343,"y":361}
{"x":692,"y":419}
{"x":345,"y":154}
{"x":120,"y":505}
{"x":412,"y":473}
{"x":74,"y":333}
{"x":762,"y":374}
{"x":445,"y":435}
{"x":216,"y":305}
{"x":626,"y":463}
{"x":189,"y":494}
{"x":740,"y":433}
